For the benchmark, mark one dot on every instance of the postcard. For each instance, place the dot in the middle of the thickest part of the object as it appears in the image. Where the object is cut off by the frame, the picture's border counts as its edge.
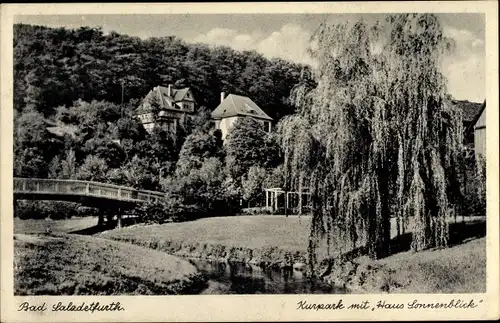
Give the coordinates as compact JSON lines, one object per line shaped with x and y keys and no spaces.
{"x":249,"y":161}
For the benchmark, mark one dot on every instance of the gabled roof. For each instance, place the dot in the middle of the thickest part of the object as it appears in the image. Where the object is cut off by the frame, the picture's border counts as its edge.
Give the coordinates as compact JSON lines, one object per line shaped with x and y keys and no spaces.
{"x":478,"y":115}
{"x":470,"y":110}
{"x":238,"y":105}
{"x":180,"y":94}
{"x":166,"y":101}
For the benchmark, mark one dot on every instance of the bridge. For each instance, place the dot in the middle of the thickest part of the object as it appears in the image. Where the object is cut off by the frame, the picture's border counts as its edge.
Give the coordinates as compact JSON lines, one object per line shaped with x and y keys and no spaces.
{"x":88,"y":193}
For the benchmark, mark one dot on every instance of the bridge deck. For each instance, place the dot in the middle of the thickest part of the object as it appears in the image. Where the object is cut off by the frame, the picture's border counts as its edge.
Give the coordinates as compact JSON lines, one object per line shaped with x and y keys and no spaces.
{"x":78,"y":191}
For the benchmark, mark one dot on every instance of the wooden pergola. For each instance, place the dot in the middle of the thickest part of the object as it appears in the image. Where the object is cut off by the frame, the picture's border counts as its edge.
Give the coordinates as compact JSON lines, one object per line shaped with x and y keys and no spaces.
{"x":273,"y":193}
{"x":272,"y":197}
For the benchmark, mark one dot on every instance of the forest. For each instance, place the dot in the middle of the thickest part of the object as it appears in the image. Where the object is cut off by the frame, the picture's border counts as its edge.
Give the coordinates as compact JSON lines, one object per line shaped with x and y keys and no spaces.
{"x":367,"y":132}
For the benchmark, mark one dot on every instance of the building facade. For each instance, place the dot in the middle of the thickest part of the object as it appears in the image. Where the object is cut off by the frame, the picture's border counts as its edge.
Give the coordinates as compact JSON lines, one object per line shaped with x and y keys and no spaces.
{"x":480,"y":133}
{"x":234,"y":107}
{"x":165,"y":106}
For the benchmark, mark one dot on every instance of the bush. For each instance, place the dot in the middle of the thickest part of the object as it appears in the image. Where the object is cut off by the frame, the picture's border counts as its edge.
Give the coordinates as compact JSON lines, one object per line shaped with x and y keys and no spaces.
{"x":168,"y":210}
{"x":255,"y":211}
{"x":473,"y":184}
{"x":56,"y":210}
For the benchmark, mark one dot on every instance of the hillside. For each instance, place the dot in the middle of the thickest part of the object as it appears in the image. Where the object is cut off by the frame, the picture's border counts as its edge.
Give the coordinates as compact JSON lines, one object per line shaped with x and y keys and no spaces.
{"x":57,"y":66}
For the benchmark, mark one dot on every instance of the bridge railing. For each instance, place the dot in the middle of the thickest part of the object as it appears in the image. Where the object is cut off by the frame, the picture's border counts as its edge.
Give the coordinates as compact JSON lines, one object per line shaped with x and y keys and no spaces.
{"x":78,"y":187}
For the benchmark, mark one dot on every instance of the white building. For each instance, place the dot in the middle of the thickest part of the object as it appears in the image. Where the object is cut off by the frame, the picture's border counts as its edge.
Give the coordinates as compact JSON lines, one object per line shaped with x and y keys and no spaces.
{"x":233,"y":107}
{"x":480,"y":133}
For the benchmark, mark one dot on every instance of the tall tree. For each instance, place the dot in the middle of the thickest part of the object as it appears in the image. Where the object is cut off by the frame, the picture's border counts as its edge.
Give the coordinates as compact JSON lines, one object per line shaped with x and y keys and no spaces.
{"x":374,"y":136}
{"x":34,"y":146}
{"x":198,"y":147}
{"x":247,"y":145}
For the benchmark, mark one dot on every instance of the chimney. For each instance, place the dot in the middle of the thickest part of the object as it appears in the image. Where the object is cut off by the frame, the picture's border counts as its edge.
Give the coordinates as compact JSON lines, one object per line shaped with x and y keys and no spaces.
{"x":222,"y":97}
{"x":169,"y":91}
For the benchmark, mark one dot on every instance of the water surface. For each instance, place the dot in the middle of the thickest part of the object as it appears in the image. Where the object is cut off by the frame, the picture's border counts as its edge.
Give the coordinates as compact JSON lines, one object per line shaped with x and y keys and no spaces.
{"x":238,"y":278}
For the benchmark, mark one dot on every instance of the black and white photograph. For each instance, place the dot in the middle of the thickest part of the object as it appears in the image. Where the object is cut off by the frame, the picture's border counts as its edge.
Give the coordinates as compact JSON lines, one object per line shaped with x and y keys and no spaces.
{"x":300,"y":153}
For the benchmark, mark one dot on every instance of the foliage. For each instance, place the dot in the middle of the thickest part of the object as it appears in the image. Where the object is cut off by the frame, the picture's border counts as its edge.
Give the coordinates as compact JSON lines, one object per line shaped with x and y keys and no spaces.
{"x":160,"y":212}
{"x":50,"y":209}
{"x":68,"y":165}
{"x":162,"y":146}
{"x":93,"y":169}
{"x":198,"y":147}
{"x":374,"y":137}
{"x":275,"y":177}
{"x":34,"y":147}
{"x":255,"y":211}
{"x":252,"y":184}
{"x":202,"y":188}
{"x":111,"y":152}
{"x":247,"y":145}
{"x":475,"y":197}
{"x":139,"y":173}
{"x":130,"y":128}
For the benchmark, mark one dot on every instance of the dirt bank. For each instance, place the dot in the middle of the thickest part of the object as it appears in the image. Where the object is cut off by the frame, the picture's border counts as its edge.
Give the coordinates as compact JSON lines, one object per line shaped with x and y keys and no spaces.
{"x":272,"y":257}
{"x":46,"y":265}
{"x":267,"y":241}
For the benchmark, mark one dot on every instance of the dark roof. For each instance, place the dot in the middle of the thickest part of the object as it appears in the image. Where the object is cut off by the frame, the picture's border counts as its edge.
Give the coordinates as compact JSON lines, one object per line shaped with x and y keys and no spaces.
{"x":167,"y":101}
{"x":478,"y":115}
{"x":470,"y":110}
{"x":238,"y":105}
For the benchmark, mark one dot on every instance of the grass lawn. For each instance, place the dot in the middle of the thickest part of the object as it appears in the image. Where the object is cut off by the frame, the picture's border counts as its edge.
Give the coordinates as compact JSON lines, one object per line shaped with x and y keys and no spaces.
{"x":251,"y":232}
{"x":458,"y":269}
{"x":67,"y":225}
{"x":63,"y":264}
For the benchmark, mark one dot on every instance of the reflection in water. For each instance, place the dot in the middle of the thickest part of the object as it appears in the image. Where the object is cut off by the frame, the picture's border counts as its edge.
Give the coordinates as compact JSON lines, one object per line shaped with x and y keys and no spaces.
{"x":238,"y":278}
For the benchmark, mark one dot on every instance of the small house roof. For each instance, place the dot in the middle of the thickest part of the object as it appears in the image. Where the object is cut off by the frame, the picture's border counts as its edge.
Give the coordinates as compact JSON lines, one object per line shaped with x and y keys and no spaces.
{"x":470,"y":110}
{"x":239,"y":105}
{"x":477,"y":116}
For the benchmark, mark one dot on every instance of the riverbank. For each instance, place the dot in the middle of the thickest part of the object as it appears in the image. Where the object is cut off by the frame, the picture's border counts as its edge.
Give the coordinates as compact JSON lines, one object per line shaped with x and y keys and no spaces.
{"x":63,"y":264}
{"x":458,"y":269}
{"x":279,"y":242}
{"x":265,"y":241}
{"x":261,"y":241}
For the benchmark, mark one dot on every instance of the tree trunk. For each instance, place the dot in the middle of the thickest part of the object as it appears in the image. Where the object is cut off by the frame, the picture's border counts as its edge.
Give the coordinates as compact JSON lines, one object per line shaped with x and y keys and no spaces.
{"x":100,"y":221}
{"x":119,"y":219}
{"x":381,"y":225}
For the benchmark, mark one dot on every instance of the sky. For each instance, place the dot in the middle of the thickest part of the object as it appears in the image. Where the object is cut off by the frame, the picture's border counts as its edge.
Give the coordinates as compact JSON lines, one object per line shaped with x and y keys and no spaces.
{"x":287,"y":36}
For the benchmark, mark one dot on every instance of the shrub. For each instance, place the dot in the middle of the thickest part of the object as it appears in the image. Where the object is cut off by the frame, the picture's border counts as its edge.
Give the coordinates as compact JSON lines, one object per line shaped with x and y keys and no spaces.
{"x":255,"y":211}
{"x":56,"y":210}
{"x":168,"y":210}
{"x":475,"y":199}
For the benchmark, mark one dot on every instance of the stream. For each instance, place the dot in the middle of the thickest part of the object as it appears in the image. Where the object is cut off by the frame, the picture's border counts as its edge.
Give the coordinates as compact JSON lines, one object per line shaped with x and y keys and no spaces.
{"x":239,"y":278}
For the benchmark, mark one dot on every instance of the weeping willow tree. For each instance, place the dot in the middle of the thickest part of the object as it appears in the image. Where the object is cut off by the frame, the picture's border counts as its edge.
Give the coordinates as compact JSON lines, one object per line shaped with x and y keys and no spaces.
{"x":374,"y":137}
